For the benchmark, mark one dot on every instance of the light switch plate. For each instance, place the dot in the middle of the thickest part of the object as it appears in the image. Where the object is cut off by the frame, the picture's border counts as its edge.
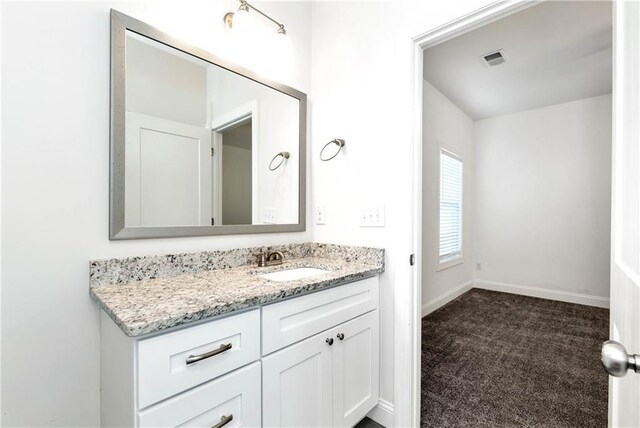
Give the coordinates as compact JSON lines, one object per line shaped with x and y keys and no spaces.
{"x":320,"y":214}
{"x":269,"y":216}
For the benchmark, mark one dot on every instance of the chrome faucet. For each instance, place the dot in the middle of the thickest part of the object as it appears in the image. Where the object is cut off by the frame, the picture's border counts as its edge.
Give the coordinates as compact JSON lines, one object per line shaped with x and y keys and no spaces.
{"x":266,"y":258}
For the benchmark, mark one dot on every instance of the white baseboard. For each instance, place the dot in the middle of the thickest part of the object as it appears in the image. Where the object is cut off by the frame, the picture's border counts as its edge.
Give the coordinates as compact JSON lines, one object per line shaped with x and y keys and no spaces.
{"x":442,"y":300}
{"x":544,"y":293}
{"x":382,"y":413}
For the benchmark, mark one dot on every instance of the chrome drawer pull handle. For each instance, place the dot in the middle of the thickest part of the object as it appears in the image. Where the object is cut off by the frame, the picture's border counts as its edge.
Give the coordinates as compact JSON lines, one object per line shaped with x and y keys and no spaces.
{"x":195,"y":358}
{"x":223,"y":421}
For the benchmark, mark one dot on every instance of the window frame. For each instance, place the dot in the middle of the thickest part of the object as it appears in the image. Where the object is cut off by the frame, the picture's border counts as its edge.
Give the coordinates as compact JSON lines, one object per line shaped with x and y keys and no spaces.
{"x":456,"y":259}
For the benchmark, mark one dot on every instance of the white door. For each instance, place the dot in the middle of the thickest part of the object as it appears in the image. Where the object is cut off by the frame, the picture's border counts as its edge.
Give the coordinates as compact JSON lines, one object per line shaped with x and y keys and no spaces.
{"x":624,"y":392}
{"x":296,"y":385}
{"x":167,"y":173}
{"x":355,"y":369}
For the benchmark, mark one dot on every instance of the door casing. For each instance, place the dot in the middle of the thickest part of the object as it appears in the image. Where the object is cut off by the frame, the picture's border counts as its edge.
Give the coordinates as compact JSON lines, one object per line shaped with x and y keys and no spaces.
{"x":408,"y":311}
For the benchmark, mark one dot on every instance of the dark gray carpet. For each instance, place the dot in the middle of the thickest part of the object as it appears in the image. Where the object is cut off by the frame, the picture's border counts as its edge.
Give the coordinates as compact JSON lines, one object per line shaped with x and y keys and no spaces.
{"x":368,"y":423}
{"x":501,"y":360}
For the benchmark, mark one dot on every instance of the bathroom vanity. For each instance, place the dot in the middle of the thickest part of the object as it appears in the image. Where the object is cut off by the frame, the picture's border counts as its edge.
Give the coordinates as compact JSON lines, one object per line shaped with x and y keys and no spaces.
{"x":223,"y":338}
{"x":207,"y":340}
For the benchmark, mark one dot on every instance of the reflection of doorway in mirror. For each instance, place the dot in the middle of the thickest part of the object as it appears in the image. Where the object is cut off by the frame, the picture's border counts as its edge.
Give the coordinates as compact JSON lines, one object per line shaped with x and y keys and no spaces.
{"x":237,"y":174}
{"x":235,"y":143}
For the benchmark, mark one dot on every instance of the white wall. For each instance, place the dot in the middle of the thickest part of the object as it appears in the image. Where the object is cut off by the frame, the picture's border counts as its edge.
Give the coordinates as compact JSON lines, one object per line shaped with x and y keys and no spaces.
{"x":543,"y":192}
{"x":445,"y":125}
{"x":55,"y":177}
{"x":362,"y":92}
{"x":278,"y":130}
{"x":163,"y":84}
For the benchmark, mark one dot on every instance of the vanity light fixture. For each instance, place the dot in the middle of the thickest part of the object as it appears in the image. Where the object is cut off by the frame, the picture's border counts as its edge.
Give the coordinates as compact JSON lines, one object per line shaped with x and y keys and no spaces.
{"x":245,"y":8}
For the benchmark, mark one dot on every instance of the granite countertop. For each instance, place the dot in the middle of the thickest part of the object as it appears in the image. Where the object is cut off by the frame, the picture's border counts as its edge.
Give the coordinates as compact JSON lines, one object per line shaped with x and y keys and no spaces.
{"x":154,"y":304}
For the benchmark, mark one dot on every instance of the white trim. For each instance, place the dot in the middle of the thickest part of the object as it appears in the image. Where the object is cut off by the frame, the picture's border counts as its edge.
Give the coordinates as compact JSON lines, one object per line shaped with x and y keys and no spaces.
{"x":408,"y":305}
{"x":450,"y":262}
{"x":234,"y":117}
{"x":443,"y":147}
{"x":544,"y":293}
{"x":476,"y":19}
{"x":382,"y":413}
{"x":1,"y":257}
{"x":445,"y":298}
{"x":216,"y":178}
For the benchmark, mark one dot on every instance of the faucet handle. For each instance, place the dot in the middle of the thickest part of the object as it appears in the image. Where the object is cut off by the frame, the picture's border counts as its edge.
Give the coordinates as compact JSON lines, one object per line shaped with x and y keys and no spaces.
{"x":262,"y":258}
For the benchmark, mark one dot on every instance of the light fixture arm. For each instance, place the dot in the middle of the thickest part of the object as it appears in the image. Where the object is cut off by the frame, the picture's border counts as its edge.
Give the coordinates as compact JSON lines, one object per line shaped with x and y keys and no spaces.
{"x":245,"y":4}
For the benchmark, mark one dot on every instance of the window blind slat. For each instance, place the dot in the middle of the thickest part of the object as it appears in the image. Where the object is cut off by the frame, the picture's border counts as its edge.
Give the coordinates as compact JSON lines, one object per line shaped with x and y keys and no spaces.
{"x":450,"y":205}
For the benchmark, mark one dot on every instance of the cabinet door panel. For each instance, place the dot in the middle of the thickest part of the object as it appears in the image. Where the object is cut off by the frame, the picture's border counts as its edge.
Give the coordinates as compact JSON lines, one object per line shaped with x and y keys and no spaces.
{"x":297,"y":385}
{"x":355,"y":369}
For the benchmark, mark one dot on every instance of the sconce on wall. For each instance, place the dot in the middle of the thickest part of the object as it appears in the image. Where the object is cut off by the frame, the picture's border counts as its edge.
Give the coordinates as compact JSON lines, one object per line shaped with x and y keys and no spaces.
{"x":243,"y":13}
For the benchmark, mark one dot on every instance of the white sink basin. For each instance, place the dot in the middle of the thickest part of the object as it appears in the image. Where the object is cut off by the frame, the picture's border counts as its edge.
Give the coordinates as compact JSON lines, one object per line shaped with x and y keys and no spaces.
{"x":293,"y":274}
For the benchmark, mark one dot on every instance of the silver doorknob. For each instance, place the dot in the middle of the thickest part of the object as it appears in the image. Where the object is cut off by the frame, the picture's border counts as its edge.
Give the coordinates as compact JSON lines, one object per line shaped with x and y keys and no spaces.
{"x":616,"y":361}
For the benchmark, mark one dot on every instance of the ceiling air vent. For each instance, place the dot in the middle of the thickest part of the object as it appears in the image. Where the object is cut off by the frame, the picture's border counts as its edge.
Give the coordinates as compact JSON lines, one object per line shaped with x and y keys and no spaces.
{"x":494,"y":58}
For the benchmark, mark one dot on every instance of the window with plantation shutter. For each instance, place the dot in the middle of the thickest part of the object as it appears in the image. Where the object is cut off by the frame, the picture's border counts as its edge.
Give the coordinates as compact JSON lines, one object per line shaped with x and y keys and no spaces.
{"x":450,"y":206}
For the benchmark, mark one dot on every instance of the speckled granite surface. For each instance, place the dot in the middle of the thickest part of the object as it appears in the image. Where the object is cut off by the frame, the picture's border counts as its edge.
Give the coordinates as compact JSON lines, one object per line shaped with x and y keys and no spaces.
{"x":148,"y":294}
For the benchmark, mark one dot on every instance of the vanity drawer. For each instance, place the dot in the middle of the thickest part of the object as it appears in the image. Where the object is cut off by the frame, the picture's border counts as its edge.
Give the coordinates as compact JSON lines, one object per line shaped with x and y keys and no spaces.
{"x":296,"y":319}
{"x":234,"y":397}
{"x":174,"y":362}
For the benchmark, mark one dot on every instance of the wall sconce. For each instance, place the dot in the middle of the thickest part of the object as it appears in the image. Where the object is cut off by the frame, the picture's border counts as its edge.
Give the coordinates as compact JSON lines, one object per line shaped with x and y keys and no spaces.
{"x":243,"y":12}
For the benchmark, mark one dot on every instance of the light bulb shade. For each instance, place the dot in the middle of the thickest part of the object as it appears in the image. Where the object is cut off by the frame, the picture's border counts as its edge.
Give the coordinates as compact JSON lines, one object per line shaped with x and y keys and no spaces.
{"x":227,"y":19}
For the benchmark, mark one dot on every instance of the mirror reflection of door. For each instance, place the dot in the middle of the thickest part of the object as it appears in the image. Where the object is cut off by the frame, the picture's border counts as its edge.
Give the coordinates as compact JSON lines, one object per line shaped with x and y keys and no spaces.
{"x":237,"y":174}
{"x":167,"y":169}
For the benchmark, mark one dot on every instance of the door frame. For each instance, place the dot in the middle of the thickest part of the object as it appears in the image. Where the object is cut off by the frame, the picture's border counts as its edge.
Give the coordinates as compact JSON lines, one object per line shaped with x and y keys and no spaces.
{"x":219,"y":124}
{"x":407,"y":369}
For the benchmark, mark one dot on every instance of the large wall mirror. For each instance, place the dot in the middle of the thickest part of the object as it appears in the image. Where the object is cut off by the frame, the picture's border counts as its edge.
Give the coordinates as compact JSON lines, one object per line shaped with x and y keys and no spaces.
{"x":199,"y":146}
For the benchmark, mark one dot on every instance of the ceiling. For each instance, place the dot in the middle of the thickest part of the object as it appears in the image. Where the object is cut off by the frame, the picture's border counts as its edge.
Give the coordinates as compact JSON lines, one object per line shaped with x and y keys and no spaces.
{"x":556,"y":51}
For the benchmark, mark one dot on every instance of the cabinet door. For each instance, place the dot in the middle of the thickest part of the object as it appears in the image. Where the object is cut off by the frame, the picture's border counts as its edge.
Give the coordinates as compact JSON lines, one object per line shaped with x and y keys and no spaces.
{"x":296,"y":385}
{"x":355,"y":369}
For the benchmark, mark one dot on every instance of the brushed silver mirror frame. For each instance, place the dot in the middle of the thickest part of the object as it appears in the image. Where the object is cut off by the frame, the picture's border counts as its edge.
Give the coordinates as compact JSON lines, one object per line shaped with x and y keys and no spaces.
{"x":120,"y":23}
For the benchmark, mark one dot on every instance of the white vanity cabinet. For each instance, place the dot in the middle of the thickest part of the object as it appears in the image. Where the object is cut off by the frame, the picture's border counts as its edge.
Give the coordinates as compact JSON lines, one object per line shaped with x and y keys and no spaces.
{"x":311,"y":360}
{"x":330,"y":379}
